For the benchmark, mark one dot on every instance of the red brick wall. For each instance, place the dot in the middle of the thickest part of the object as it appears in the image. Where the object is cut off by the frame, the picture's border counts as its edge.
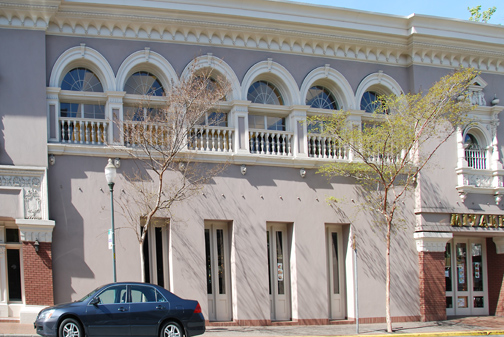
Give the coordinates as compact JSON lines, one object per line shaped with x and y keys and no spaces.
{"x":432,"y":286}
{"x":495,"y":274}
{"x":38,"y":274}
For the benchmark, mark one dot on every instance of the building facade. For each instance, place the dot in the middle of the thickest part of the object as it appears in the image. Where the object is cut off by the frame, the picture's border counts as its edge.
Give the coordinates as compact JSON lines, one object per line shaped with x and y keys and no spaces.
{"x":261,"y":243}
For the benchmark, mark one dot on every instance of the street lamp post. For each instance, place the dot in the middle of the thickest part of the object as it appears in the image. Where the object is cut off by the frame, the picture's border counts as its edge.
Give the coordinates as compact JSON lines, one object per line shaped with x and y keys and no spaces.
{"x":110,"y":175}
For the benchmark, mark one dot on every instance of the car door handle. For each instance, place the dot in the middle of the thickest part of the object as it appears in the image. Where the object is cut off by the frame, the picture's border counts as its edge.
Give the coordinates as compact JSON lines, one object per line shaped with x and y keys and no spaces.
{"x":160,"y":307}
{"x":122,"y":309}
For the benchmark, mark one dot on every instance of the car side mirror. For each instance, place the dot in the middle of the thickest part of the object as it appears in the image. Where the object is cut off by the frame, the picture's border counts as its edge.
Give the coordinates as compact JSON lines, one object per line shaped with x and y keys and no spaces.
{"x":95,"y":301}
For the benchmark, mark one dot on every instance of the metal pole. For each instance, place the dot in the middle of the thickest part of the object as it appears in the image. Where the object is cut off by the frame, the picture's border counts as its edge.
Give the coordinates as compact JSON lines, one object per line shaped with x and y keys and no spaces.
{"x":111,"y":187}
{"x":356,"y":284}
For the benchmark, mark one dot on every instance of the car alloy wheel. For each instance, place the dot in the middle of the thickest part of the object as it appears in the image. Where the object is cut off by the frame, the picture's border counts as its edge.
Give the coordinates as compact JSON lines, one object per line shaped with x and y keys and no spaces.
{"x":70,"y":328}
{"x":171,"y":329}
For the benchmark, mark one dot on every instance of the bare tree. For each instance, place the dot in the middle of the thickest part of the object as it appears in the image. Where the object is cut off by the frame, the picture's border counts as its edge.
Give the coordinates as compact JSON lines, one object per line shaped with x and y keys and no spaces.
{"x":398,"y":141}
{"x":161,"y":138}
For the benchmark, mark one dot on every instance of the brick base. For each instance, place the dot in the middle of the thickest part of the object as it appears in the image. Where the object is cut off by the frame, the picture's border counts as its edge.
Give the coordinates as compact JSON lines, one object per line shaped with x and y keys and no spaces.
{"x":495,"y":263}
{"x":38,"y":273}
{"x":432,"y":286}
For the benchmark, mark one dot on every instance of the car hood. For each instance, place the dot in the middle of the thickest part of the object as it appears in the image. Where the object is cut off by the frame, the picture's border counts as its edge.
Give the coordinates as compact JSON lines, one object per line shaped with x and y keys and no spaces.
{"x":66,"y":305}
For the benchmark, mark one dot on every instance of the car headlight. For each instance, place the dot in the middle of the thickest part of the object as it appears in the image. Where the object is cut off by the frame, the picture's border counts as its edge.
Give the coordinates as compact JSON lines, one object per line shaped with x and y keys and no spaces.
{"x":46,"y":314}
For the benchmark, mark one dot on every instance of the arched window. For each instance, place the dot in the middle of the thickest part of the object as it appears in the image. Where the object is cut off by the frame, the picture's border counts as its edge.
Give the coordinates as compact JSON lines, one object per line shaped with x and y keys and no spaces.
{"x":264,"y":92}
{"x":81,"y":79}
{"x":370,"y":101}
{"x":143,"y":83}
{"x":474,"y":154}
{"x":321,"y":98}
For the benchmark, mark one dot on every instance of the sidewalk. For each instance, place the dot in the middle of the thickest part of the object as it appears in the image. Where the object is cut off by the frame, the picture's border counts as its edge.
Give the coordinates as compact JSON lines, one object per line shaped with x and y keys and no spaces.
{"x":484,"y":325}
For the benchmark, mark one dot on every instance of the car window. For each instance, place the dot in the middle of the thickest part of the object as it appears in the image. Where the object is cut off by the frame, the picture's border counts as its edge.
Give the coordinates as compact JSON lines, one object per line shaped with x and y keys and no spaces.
{"x":114,"y":294}
{"x":140,"y":294}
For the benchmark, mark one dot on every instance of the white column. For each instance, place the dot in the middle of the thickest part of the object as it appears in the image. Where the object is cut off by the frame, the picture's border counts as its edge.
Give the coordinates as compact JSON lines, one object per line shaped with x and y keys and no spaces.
{"x":115,"y":115}
{"x":53,"y":130}
{"x":297,"y":123}
{"x":238,"y":119}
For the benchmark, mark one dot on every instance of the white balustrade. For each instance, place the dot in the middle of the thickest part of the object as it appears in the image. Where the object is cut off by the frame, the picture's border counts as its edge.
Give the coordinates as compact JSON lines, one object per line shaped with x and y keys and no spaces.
{"x":271,"y":142}
{"x":325,"y":148}
{"x":83,"y":131}
{"x":476,"y":158}
{"x":210,"y":139}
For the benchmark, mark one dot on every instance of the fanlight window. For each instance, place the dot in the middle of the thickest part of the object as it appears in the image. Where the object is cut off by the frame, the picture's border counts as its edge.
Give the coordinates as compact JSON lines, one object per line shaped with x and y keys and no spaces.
{"x":474,"y":154}
{"x":321,"y":98}
{"x":370,"y":101}
{"x":143,"y":83}
{"x":264,"y":92}
{"x":81,"y":79}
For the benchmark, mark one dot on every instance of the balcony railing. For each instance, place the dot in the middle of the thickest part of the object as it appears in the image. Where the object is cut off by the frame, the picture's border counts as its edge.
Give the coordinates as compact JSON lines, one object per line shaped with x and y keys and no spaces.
{"x":271,"y":142}
{"x":83,"y":131}
{"x":216,"y":139}
{"x":476,"y":158}
{"x":211,"y":139}
{"x":325,"y":148}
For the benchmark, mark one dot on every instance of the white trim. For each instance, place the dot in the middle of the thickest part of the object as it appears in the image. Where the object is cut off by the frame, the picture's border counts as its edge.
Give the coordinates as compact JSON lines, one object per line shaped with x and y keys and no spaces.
{"x":499,"y":244}
{"x":332,"y":80}
{"x":380,"y":82}
{"x":146,"y":60}
{"x":32,"y":230}
{"x":85,"y":57}
{"x":217,"y":64}
{"x":276,"y":74}
{"x":431,"y":241}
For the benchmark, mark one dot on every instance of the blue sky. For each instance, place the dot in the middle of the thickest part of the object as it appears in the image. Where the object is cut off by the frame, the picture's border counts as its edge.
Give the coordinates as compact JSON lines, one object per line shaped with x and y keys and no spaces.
{"x":444,"y":8}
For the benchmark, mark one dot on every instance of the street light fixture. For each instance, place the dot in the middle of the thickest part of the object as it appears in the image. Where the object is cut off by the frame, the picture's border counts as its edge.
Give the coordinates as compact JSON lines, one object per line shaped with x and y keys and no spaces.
{"x":110,"y":175}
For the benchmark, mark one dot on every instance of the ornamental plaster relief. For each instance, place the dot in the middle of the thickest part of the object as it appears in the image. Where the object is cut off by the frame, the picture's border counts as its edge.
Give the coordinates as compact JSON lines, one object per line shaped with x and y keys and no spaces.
{"x":31,"y":184}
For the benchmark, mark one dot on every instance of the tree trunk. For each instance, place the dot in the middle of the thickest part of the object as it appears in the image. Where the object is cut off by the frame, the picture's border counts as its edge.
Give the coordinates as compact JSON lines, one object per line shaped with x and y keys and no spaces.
{"x":142,"y":261}
{"x":387,"y":281}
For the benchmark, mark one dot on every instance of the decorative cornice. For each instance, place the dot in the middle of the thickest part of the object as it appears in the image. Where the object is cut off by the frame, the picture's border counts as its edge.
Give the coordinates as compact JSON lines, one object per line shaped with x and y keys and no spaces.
{"x":27,"y":15}
{"x":329,"y":32}
{"x":32,"y":230}
{"x":431,"y":241}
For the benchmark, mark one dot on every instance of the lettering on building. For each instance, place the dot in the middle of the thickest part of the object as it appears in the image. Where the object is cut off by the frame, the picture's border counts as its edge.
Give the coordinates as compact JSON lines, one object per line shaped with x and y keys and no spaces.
{"x":477,"y":220}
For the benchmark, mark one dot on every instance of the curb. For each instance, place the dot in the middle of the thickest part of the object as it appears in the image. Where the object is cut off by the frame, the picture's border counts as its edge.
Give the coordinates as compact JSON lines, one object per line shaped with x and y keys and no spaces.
{"x":430,"y":334}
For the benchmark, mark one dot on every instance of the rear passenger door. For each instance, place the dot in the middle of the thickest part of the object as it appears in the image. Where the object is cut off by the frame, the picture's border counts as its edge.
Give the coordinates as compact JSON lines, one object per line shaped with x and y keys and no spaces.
{"x":147,"y":308}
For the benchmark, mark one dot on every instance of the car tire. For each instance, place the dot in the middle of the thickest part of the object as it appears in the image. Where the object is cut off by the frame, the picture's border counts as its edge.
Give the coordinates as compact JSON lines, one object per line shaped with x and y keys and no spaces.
{"x":171,"y":329}
{"x":70,"y":327}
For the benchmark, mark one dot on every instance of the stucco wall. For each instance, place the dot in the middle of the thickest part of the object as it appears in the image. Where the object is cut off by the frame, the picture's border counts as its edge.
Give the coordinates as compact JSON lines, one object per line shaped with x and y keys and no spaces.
{"x":23,"y":127}
{"x":265,"y":194}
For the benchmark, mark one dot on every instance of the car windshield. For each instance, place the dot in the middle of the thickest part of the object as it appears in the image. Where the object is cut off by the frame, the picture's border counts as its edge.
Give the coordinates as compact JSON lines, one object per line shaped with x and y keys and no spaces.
{"x":91,"y":294}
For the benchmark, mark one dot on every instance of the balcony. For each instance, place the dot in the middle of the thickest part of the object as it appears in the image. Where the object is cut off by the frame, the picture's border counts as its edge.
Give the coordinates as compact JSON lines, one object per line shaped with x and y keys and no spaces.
{"x":83,"y":131}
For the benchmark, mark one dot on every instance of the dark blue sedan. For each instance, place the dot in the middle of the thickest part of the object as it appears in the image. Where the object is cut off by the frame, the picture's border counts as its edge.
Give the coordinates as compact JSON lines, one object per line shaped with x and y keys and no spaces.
{"x":123,"y":309}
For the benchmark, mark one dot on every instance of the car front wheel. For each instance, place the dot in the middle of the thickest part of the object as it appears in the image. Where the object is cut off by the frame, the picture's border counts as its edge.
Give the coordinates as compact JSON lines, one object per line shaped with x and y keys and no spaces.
{"x":70,"y":328}
{"x":171,"y":329}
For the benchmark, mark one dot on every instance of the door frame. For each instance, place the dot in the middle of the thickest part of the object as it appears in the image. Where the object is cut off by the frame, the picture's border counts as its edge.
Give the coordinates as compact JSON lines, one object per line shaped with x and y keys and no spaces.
{"x":219,"y":305}
{"x":468,"y":295}
{"x":279,"y":271}
{"x":337,"y":302}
